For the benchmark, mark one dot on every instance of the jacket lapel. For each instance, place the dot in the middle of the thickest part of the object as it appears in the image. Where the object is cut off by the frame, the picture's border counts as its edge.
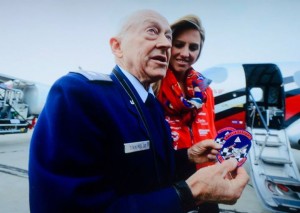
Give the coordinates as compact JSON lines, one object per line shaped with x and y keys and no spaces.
{"x":127,"y":99}
{"x":158,"y":145}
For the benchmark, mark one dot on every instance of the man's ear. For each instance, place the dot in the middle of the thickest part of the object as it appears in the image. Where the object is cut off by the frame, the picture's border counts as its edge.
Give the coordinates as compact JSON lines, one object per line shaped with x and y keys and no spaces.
{"x":115,"y":46}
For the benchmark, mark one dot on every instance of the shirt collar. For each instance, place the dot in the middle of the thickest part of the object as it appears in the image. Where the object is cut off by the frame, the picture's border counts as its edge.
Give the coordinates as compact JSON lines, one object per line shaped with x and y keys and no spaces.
{"x":137,"y":85}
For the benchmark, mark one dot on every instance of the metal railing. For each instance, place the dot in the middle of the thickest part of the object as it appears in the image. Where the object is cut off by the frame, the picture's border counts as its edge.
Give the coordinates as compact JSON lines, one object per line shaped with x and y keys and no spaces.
{"x":254,"y":109}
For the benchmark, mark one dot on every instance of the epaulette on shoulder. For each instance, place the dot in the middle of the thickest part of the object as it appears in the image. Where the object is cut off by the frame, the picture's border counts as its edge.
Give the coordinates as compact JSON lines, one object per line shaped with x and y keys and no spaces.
{"x":93,"y":76}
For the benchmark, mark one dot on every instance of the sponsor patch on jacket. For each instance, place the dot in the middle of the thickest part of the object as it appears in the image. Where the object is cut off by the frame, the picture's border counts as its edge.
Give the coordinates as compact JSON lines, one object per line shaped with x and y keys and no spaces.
{"x":136,"y":146}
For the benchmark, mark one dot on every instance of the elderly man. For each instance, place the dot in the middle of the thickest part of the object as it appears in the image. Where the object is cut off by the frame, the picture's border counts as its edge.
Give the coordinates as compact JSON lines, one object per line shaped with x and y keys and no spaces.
{"x":101,"y":143}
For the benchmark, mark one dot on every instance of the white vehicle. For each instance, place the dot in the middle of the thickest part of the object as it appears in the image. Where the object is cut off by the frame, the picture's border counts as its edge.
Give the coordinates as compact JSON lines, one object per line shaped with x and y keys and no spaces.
{"x":20,"y":104}
{"x":265,"y":100}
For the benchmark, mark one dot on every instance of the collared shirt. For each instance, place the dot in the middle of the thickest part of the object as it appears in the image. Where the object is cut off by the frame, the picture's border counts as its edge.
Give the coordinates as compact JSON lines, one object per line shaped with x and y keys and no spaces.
{"x":137,"y":85}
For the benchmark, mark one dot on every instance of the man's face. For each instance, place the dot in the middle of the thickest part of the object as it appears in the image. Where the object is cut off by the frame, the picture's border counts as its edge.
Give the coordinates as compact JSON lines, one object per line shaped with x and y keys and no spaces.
{"x":146,"y":47}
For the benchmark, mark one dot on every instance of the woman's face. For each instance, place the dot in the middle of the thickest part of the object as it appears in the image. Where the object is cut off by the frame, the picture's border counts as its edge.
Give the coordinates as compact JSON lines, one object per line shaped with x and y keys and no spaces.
{"x":185,"y":50}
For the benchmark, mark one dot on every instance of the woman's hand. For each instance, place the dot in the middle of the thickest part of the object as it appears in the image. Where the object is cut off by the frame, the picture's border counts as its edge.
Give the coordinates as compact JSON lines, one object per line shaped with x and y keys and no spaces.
{"x":203,"y":151}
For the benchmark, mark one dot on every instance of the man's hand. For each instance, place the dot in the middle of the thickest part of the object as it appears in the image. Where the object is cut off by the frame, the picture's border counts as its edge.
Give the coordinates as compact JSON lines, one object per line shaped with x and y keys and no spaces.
{"x":210,"y":184}
{"x":203,"y":151}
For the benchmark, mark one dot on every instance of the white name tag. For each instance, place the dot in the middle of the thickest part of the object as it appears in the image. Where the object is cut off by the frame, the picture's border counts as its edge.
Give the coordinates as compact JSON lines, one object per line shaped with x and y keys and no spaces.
{"x":136,"y":146}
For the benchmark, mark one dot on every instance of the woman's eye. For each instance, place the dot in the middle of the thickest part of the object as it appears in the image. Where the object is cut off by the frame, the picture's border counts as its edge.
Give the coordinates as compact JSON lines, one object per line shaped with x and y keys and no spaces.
{"x":194,"y":47}
{"x":178,"y":44}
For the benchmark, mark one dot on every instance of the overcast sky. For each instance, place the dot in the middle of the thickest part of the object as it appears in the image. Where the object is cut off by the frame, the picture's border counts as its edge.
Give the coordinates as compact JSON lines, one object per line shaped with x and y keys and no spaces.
{"x":40,"y":40}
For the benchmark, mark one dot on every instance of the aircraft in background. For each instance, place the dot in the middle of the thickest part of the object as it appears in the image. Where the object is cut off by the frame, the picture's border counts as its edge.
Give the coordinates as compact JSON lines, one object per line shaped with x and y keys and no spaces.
{"x":264,"y":99}
{"x":21,"y":102}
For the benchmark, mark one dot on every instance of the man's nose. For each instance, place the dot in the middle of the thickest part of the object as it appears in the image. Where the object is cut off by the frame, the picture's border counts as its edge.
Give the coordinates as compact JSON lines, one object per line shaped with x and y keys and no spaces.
{"x":164,"y":42}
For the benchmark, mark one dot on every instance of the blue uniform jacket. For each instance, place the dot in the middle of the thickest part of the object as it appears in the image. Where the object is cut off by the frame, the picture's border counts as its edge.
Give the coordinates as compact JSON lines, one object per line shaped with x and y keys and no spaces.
{"x":78,"y":161}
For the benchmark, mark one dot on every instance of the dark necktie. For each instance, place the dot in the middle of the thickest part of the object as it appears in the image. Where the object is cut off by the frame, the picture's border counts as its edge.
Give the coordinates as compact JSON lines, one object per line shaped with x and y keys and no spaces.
{"x":154,"y":110}
{"x":152,"y":106}
{"x":150,"y":101}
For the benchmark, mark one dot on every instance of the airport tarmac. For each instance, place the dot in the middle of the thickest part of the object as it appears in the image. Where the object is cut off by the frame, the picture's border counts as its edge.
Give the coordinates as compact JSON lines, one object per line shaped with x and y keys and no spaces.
{"x":14,"y":151}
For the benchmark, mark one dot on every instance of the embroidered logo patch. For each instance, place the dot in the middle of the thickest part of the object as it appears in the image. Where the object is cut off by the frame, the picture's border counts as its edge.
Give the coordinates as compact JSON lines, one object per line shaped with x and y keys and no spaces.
{"x":236,"y":145}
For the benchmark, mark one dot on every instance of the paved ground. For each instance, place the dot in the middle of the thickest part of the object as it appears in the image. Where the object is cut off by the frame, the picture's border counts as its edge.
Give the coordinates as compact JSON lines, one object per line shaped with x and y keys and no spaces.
{"x":13,"y":173}
{"x":14,"y":179}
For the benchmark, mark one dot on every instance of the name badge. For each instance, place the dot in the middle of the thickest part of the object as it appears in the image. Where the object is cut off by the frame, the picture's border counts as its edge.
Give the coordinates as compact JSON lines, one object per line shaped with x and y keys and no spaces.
{"x":136,"y":146}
